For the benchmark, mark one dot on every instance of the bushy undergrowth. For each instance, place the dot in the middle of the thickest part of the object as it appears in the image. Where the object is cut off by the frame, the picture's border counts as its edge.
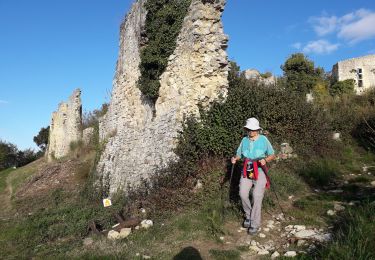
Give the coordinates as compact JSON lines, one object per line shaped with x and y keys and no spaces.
{"x":365,"y":132}
{"x":346,"y":113}
{"x":163,"y":24}
{"x":286,"y":116}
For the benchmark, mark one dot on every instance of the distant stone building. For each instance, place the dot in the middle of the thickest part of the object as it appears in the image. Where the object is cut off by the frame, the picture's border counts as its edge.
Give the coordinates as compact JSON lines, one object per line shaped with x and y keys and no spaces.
{"x":361,"y":70}
{"x":66,"y":126}
{"x":266,"y":79}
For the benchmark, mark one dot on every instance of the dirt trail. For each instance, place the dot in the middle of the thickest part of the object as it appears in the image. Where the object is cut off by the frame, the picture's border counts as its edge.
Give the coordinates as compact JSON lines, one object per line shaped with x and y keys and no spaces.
{"x":5,"y":199}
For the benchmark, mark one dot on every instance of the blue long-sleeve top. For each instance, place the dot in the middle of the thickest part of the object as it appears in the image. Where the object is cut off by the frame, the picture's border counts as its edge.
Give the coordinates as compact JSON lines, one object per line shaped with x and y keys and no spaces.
{"x":260,"y":148}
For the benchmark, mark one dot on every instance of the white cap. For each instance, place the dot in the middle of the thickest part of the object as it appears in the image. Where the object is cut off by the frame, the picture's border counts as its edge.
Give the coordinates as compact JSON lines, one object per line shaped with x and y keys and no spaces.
{"x":252,"y":124}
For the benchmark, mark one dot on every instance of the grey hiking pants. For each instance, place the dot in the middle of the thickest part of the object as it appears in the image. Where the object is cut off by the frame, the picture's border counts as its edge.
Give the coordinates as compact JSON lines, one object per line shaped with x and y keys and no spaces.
{"x":253,"y":212}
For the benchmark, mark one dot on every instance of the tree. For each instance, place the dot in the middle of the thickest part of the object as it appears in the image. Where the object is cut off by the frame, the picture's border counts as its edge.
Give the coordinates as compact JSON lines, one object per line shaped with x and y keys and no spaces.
{"x":8,"y":155}
{"x":41,"y":139}
{"x":300,"y":73}
{"x":91,"y":118}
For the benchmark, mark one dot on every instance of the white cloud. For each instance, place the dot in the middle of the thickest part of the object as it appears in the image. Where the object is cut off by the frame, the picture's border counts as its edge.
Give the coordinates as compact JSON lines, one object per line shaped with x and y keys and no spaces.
{"x":297,"y":45}
{"x":353,"y":27}
{"x":324,"y":25}
{"x":361,"y":29}
{"x":320,"y":47}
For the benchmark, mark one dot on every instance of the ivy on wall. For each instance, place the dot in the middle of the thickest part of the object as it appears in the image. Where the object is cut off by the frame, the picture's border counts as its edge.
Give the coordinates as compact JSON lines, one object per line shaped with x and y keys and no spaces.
{"x":163,"y":24}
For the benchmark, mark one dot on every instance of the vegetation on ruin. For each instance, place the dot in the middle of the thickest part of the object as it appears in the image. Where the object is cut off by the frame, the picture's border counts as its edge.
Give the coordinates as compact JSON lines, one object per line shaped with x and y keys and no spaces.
{"x":163,"y":24}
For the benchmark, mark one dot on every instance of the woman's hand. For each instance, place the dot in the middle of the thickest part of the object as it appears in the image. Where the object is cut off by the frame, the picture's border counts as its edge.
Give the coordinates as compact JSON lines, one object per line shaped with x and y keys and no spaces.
{"x":262,"y":162}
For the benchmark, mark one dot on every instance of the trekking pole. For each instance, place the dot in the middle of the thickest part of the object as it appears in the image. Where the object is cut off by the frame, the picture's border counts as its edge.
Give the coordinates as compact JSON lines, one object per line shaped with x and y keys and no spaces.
{"x":274,"y":191}
{"x":230,"y":181}
{"x":222,"y":192}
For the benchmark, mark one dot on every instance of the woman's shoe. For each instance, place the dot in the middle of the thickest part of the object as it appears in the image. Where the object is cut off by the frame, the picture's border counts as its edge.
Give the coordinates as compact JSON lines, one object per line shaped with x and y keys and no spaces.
{"x":252,"y":231}
{"x":246,"y":223}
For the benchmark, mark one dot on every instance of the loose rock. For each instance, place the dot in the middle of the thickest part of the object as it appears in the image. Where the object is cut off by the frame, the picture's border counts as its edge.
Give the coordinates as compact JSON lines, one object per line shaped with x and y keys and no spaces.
{"x":147,"y":223}
{"x":299,"y":227}
{"x":330,"y":212}
{"x":275,"y":254}
{"x":290,"y":254}
{"x":305,"y":233}
{"x":112,"y":235}
{"x":88,"y":241}
{"x":124,"y":232}
{"x":254,"y":248}
{"x":263,"y":252}
{"x":323,"y":237}
{"x":338,"y":207}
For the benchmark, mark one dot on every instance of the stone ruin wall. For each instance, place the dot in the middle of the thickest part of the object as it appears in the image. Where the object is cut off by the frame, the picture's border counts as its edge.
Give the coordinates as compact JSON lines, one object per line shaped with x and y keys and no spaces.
{"x":66,"y":127}
{"x":138,"y":140}
{"x":348,"y":69}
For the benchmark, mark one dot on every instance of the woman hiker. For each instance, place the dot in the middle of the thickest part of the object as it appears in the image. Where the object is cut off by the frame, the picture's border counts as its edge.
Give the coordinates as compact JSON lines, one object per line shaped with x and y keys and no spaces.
{"x":256,"y":150}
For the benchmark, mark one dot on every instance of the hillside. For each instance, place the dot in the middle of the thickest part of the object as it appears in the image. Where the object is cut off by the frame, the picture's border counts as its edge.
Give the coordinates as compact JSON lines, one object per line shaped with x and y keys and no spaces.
{"x":45,"y":213}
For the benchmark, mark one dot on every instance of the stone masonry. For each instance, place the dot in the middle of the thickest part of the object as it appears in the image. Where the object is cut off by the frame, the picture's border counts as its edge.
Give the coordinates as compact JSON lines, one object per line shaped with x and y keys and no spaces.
{"x":254,"y":74}
{"x":140,"y":138}
{"x":66,"y":127}
{"x":361,"y":69}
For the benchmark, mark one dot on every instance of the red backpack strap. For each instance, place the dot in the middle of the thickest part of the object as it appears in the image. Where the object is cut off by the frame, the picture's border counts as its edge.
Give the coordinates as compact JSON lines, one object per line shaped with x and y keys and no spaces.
{"x":265,"y":170}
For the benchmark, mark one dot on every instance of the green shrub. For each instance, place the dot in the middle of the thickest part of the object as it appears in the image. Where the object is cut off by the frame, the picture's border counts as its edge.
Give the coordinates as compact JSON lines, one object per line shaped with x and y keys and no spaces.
{"x":342,"y":87}
{"x":163,"y":24}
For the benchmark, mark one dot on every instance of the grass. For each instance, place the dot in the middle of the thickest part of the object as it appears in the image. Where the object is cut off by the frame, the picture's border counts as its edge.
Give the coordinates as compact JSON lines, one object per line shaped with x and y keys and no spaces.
{"x":354,"y":236}
{"x":225,"y":254}
{"x":3,"y":178}
{"x":20,"y":175}
{"x":58,"y":220}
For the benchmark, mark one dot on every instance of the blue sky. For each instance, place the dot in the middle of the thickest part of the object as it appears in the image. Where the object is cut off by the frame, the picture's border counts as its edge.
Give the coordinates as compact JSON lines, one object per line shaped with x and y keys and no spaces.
{"x":48,"y":48}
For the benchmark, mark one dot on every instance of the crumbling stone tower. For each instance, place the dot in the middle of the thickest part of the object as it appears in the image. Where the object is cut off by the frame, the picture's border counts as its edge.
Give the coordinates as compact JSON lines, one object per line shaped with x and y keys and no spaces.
{"x":66,"y":127}
{"x":140,"y":137}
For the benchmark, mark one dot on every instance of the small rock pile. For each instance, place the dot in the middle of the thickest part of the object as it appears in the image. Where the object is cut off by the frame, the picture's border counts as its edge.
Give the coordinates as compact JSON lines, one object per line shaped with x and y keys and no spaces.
{"x":125,"y":232}
{"x":297,"y":235}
